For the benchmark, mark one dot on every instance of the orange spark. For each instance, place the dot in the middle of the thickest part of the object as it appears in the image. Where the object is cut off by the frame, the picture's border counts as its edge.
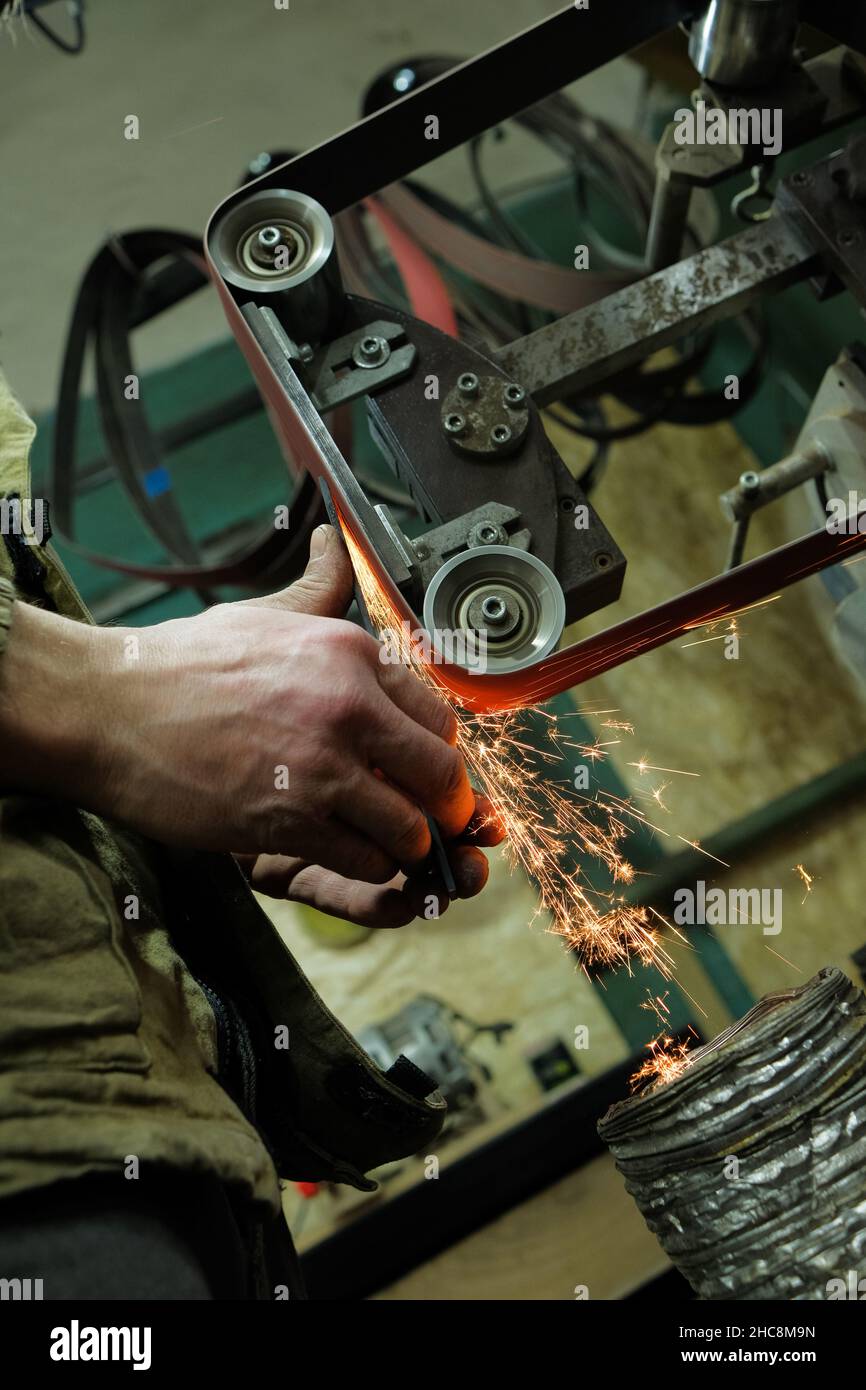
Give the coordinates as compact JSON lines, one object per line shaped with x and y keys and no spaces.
{"x":807,"y":879}
{"x":784,"y":958}
{"x":643,"y":766}
{"x":667,"y":1060}
{"x":547,"y":823}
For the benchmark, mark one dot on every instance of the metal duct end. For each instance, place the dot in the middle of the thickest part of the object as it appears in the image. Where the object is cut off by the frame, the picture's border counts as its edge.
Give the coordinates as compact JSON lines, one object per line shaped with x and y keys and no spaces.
{"x":750,"y":1166}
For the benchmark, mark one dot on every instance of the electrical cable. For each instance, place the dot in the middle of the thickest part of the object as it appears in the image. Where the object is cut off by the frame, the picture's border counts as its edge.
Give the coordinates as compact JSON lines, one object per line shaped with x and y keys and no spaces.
{"x":27,"y":11}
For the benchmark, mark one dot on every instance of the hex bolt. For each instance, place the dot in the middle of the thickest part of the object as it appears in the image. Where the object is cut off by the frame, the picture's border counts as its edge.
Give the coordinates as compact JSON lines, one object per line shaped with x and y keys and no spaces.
{"x":499,"y":435}
{"x":269,"y":238}
{"x":371,"y":351}
{"x":514,"y":395}
{"x":467,"y":384}
{"x":454,"y":423}
{"x":494,"y":609}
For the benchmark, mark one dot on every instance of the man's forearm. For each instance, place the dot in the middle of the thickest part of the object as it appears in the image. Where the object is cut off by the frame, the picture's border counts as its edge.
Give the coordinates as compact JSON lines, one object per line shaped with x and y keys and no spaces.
{"x":49,"y":706}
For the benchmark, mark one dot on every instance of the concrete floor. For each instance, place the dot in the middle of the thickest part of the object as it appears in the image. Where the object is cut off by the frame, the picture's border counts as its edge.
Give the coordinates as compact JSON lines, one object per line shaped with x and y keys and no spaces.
{"x":212,"y":83}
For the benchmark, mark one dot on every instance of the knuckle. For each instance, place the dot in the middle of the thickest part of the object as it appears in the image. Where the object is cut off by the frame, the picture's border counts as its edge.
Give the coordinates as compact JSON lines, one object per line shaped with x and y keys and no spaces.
{"x":443,"y":720}
{"x":374,"y":866}
{"x":351,"y":640}
{"x":411,"y":840}
{"x":453,"y":771}
{"x":348,"y":706}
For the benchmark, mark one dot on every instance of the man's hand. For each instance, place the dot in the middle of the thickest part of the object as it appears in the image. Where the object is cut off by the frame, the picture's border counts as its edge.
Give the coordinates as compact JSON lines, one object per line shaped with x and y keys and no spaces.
{"x":267,"y":726}
{"x":392,"y":904}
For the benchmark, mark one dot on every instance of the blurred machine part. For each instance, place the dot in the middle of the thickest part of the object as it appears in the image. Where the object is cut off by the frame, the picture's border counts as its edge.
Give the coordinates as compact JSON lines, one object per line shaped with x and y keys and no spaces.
{"x":424,"y":1033}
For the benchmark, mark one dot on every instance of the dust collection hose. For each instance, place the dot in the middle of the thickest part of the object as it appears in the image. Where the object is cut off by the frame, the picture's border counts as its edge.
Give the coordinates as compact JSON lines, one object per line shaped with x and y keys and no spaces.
{"x":750,"y":1166}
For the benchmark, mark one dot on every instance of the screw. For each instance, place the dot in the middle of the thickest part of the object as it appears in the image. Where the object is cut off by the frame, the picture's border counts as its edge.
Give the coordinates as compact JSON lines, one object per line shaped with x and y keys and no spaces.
{"x":499,"y":435}
{"x":454,"y":424}
{"x":487,"y":534}
{"x":567,"y":504}
{"x":602,"y":560}
{"x":750,"y":482}
{"x":801,"y":178}
{"x":371,"y":351}
{"x":269,"y":238}
{"x":514,"y":395}
{"x":467,"y":384}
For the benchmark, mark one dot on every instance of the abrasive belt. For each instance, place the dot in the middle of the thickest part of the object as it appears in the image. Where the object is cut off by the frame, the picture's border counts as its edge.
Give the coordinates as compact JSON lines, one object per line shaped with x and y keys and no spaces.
{"x":709,"y":602}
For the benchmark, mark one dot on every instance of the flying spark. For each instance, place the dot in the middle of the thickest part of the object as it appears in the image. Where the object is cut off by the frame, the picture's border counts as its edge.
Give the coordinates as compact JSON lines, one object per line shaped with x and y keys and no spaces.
{"x":667,"y":1060}
{"x":806,"y":878}
{"x":550,"y":826}
{"x":784,"y":958}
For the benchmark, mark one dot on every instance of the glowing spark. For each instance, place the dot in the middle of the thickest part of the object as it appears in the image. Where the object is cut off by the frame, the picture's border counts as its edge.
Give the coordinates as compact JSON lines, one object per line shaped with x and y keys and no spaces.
{"x":730,"y":621}
{"x":656,"y":1003}
{"x":643,"y":767}
{"x":784,"y":958}
{"x":656,"y":795}
{"x":621,"y":725}
{"x":703,"y":641}
{"x":547,"y":823}
{"x":696,"y":844}
{"x":667,"y":1060}
{"x":807,"y":879}
{"x":710,"y":625}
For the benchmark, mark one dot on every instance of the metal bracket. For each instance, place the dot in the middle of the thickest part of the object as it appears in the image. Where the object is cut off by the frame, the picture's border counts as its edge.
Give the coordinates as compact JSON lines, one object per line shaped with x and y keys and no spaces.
{"x":828,"y":204}
{"x":359,"y":362}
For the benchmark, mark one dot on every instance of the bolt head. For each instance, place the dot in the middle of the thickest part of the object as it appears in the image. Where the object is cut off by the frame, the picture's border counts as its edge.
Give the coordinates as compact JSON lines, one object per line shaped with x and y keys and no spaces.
{"x":454,"y":423}
{"x":467,"y":384}
{"x":370,"y":351}
{"x":494,"y":609}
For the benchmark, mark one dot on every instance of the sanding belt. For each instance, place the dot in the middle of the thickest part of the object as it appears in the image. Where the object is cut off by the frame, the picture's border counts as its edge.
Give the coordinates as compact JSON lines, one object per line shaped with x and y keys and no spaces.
{"x":411,"y":226}
{"x":552,"y":287}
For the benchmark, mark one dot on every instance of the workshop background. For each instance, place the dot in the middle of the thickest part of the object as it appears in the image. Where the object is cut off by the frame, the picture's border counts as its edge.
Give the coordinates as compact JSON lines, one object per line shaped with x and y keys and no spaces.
{"x":527,"y":1205}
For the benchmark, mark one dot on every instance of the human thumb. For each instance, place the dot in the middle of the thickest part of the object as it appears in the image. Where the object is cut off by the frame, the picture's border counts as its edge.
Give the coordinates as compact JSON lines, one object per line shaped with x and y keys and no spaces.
{"x":325,"y":587}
